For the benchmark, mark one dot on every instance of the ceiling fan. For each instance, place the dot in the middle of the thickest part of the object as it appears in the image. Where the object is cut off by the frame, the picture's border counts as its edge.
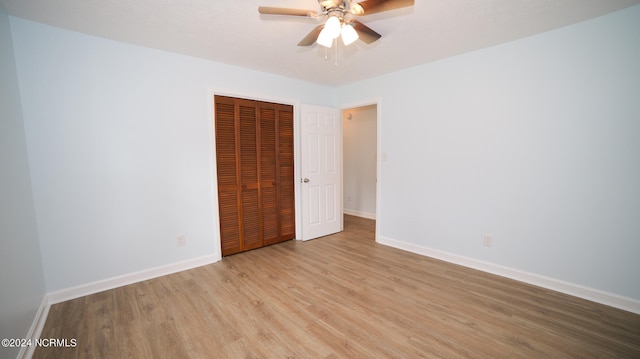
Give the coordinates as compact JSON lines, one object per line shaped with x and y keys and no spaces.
{"x":340,"y":19}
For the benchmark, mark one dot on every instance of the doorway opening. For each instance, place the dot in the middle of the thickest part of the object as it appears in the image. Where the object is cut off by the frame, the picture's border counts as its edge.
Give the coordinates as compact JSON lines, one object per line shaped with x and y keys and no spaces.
{"x":360,"y":161}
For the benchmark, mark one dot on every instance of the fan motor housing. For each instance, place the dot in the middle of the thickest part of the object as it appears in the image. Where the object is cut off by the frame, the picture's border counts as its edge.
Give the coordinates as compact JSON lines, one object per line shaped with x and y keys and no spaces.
{"x":329,"y":6}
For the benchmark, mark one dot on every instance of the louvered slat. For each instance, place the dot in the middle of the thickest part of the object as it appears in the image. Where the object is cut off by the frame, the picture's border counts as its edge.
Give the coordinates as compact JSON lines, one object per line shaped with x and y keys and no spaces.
{"x":229,"y":224}
{"x":286,"y":173}
{"x":267,"y":143}
{"x":248,"y":144}
{"x":270,"y":215}
{"x":225,"y":142}
{"x":268,"y":173}
{"x":250,"y":220}
{"x":226,"y":161}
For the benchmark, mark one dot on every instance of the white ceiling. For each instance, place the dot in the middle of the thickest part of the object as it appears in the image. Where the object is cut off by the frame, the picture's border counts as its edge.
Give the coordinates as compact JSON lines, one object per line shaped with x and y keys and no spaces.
{"x":232,"y":31}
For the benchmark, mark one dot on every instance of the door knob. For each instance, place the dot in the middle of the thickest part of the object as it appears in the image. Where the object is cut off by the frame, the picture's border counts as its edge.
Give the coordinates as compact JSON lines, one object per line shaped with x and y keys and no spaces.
{"x":306,"y":180}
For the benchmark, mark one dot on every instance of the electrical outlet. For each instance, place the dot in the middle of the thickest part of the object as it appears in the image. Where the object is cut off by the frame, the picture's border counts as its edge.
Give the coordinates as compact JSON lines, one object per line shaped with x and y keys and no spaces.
{"x":181,"y":241}
{"x":487,"y":241}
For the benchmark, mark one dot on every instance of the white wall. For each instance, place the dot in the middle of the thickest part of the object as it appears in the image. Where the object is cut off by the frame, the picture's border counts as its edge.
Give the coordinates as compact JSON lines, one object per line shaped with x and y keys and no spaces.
{"x":21,"y":279}
{"x":536,"y":142}
{"x":119,"y":141}
{"x":359,"y":134}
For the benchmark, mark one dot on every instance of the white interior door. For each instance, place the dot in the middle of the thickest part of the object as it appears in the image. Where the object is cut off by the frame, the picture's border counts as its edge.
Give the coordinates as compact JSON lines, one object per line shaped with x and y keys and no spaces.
{"x":321,"y":171}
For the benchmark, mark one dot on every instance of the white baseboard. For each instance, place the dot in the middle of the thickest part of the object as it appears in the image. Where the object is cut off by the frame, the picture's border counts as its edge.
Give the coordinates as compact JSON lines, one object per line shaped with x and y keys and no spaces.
{"x":110,"y":283}
{"x":36,"y":329}
{"x":359,"y":213}
{"x":594,"y":295}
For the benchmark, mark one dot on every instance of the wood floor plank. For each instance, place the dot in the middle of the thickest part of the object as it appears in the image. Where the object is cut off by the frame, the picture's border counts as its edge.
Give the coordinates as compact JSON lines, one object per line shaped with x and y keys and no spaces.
{"x":341,"y":296}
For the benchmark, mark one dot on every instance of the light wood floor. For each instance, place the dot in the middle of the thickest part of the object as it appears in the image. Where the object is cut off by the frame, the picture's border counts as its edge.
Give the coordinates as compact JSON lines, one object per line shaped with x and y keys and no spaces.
{"x":341,"y":296}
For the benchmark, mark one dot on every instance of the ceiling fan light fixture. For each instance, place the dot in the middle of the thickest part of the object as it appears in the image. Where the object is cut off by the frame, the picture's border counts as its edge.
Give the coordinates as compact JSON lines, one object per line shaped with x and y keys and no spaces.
{"x":332,"y":26}
{"x":325,"y":39}
{"x":349,"y":34}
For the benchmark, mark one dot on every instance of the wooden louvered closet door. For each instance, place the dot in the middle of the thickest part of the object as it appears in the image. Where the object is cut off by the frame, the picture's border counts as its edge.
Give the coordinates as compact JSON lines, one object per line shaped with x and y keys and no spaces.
{"x":254,"y":149}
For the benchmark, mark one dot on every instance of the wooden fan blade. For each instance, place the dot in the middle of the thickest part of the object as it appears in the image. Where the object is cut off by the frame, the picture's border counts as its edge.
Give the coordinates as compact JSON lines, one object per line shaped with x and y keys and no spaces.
{"x":311,"y":38}
{"x":369,"y":7}
{"x":268,"y":10}
{"x":364,"y":32}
